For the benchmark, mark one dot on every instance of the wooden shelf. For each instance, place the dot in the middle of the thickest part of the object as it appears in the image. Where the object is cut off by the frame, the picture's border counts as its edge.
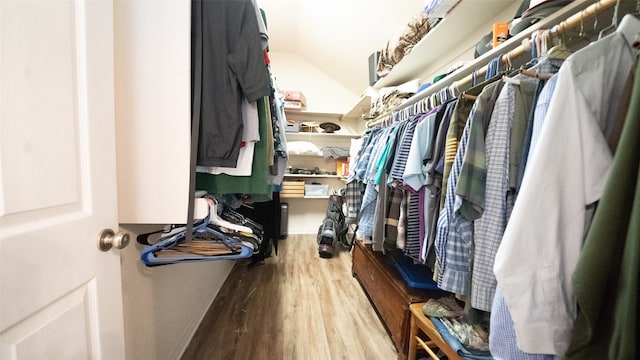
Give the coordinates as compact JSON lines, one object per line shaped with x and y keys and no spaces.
{"x":319,"y":117}
{"x":311,"y":176}
{"x":361,"y":109}
{"x":446,"y":35}
{"x":312,"y":135}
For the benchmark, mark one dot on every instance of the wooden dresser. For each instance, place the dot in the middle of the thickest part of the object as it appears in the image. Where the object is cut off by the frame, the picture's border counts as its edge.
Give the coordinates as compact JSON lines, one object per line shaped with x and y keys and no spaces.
{"x":388,"y":292}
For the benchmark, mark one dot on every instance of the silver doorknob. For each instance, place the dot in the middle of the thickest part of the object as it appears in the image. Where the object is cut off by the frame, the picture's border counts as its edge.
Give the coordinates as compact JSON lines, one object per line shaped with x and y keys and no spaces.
{"x":109,"y":239}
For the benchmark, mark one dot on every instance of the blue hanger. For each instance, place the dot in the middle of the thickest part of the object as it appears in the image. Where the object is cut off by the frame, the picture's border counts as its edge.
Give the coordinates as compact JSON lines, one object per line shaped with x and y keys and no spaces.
{"x":149,"y":254}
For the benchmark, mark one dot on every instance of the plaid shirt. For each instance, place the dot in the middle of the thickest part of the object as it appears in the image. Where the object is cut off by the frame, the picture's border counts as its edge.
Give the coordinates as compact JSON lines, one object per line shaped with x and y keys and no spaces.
{"x":443,"y":253}
{"x":456,"y":126}
{"x":353,"y":197}
{"x":392,"y":237}
{"x":368,"y":209}
{"x":498,"y":200}
{"x":503,"y":335}
{"x":457,"y":276}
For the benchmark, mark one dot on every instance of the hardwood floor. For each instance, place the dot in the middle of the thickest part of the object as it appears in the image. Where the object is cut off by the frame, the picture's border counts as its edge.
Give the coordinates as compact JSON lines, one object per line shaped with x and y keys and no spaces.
{"x":295,"y":306}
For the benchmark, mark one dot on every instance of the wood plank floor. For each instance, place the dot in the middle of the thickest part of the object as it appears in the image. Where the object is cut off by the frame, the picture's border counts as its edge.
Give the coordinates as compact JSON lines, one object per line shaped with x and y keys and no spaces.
{"x":295,"y":306}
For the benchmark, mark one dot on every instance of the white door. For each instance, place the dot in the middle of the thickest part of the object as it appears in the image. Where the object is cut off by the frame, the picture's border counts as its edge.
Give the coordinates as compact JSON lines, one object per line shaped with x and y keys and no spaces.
{"x":60,"y":297}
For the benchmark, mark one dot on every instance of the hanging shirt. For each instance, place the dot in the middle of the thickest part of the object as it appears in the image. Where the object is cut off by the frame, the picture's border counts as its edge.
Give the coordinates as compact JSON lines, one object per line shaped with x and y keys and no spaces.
{"x":455,"y":276}
{"x":456,"y":126}
{"x":432,"y":191}
{"x":421,"y":147}
{"x":250,"y":135}
{"x":257,"y":183}
{"x":567,"y":172}
{"x":605,"y":280}
{"x":414,"y":178}
{"x":443,"y":256}
{"x":502,"y":336}
{"x":233,"y":67}
{"x":510,"y":113}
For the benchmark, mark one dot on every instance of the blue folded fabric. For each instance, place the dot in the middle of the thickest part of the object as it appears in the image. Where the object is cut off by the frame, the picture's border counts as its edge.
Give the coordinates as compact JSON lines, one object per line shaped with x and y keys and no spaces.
{"x":462,"y":351}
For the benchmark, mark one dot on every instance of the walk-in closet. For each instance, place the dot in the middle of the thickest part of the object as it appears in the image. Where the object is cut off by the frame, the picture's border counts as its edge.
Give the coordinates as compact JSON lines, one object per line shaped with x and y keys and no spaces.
{"x":293,"y":179}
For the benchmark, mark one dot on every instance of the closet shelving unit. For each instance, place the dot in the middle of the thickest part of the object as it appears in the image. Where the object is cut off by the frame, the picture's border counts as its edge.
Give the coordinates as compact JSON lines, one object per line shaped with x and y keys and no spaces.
{"x":306,"y":213}
{"x":385,"y":287}
{"x":466,"y":23}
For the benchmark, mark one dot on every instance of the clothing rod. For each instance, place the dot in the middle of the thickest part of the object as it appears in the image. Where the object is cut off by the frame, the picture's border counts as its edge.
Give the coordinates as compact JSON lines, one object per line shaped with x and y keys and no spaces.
{"x":565,"y":18}
{"x":555,"y":31}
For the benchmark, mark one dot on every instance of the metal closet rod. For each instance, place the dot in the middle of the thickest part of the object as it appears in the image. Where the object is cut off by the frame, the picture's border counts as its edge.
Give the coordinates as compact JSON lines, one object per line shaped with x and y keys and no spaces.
{"x":457,"y":80}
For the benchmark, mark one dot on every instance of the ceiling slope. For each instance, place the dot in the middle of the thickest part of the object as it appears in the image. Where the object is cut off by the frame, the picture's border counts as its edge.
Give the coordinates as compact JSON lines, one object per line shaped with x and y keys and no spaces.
{"x":337,"y":36}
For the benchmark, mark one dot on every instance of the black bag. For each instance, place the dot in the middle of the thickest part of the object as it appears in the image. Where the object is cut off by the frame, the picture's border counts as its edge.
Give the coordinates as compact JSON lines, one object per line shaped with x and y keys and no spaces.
{"x":333,"y":229}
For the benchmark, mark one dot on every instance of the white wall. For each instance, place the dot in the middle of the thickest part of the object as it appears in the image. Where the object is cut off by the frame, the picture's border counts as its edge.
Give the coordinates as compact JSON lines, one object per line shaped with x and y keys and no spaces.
{"x":323,"y":93}
{"x":164,"y":305}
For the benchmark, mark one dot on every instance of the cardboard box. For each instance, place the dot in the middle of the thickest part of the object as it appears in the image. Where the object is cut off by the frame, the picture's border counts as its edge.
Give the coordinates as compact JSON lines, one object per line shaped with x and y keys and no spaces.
{"x":292,"y":189}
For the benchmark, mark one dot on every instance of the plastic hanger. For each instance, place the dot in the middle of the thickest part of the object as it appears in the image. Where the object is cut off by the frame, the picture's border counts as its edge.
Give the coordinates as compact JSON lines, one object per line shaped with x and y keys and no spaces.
{"x":560,"y":51}
{"x":238,"y":218}
{"x":614,"y":21}
{"x":217,"y":220}
{"x":208,"y":244}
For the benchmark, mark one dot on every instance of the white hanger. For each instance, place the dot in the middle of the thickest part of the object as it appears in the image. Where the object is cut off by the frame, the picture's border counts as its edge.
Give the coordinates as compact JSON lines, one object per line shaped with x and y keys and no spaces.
{"x":510,"y":80}
{"x":217,"y":220}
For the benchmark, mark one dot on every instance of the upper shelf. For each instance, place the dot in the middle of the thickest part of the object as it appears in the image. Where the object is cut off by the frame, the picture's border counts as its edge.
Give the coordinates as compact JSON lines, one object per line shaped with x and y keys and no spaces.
{"x":446,"y":35}
{"x":302,"y":115}
{"x":361,"y":109}
{"x":313,"y":135}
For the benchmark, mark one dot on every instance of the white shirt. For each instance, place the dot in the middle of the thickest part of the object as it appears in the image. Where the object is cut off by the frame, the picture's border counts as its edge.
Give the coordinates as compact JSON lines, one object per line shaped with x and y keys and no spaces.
{"x":568,"y":171}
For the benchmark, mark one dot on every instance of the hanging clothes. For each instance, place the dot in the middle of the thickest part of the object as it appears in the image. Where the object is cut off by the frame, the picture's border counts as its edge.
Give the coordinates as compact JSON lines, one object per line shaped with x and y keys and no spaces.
{"x":502,"y":338}
{"x":542,"y":241}
{"x":233,"y":68}
{"x":432,"y":191}
{"x":605,"y":281}
{"x":499,"y":199}
{"x":454,"y":234}
{"x":257,"y":183}
{"x":421,"y":148}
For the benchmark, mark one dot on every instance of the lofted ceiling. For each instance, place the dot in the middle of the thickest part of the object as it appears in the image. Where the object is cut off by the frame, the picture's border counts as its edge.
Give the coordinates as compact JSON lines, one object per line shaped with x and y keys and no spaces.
{"x":336,"y":36}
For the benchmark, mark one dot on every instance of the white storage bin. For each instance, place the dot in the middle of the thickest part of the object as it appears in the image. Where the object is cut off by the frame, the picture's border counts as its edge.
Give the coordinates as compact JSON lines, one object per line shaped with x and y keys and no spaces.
{"x":316,"y":190}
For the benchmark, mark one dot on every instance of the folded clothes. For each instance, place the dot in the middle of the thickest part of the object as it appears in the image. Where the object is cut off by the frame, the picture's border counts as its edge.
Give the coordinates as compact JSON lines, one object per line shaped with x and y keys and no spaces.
{"x":334,"y":152}
{"x":456,"y":345}
{"x":442,"y":307}
{"x":467,"y":334}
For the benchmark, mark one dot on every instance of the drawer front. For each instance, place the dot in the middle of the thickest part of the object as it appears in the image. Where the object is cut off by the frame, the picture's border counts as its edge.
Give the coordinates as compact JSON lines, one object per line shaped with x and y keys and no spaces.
{"x":392,"y":307}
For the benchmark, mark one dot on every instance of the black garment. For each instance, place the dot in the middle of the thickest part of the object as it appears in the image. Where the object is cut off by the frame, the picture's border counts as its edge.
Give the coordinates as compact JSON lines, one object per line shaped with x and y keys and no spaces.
{"x":233,"y":67}
{"x":266,"y":214}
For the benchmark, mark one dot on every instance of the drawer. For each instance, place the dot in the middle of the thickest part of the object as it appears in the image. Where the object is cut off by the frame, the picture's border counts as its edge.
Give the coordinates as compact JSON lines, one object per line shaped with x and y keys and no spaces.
{"x":388,"y":292}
